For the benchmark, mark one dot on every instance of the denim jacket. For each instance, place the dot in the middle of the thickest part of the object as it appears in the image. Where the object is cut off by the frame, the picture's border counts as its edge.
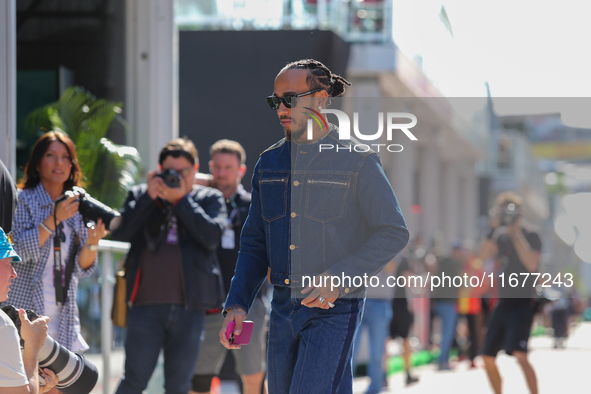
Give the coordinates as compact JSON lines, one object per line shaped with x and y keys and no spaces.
{"x":313,"y":212}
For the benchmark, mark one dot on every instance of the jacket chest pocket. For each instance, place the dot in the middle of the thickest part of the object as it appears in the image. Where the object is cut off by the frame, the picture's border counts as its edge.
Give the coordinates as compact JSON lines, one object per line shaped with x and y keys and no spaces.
{"x":273,"y":192}
{"x":326,"y":196}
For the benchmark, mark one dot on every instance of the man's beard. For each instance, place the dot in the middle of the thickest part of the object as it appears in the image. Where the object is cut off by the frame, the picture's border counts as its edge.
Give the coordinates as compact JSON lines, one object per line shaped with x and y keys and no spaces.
{"x":294,"y":134}
{"x":223,"y":186}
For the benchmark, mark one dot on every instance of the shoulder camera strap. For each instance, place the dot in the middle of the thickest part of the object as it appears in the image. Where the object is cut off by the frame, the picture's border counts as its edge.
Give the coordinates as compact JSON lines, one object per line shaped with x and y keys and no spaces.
{"x":154,"y":242}
{"x":57,"y":262}
{"x":61,"y":278}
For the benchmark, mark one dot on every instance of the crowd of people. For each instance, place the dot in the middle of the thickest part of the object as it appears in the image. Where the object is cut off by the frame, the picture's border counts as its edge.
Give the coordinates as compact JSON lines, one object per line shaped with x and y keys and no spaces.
{"x":477,"y":320}
{"x":204,"y":251}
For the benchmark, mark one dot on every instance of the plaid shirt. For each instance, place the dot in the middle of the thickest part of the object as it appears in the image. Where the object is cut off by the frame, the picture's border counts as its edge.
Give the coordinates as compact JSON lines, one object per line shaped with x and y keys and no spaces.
{"x":34,"y":205}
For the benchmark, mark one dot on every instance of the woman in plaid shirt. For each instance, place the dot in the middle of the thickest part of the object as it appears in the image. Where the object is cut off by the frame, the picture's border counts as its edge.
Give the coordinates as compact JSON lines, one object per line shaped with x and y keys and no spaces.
{"x":51,"y":171}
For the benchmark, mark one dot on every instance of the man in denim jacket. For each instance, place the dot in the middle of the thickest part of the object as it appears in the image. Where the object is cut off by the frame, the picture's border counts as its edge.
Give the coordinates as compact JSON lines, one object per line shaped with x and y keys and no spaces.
{"x":313,"y":214}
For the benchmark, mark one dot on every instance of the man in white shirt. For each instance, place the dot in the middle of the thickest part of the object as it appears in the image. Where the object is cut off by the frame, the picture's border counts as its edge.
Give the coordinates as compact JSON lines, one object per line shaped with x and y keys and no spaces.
{"x":18,"y":371}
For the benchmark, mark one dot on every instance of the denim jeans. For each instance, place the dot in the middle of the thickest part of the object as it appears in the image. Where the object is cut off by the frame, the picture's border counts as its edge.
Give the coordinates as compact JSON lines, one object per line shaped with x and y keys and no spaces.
{"x":376,"y":318}
{"x":446,"y":310}
{"x":310,"y":348}
{"x":152,"y":327}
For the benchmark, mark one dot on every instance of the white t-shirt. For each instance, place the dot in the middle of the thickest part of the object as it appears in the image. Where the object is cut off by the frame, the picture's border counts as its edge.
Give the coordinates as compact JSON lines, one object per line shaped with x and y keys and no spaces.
{"x":52,"y":310}
{"x":12,"y":369}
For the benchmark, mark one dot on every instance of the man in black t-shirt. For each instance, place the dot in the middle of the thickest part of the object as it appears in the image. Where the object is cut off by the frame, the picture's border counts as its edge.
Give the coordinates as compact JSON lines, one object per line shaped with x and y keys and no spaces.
{"x":518,"y":250}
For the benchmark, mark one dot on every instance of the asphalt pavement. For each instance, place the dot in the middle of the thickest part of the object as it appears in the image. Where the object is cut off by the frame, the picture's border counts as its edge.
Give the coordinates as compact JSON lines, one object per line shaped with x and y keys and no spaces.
{"x":559,"y":371}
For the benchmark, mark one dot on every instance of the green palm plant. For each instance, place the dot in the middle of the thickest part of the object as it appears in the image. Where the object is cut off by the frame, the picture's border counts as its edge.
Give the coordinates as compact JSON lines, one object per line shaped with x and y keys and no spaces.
{"x":109,"y":169}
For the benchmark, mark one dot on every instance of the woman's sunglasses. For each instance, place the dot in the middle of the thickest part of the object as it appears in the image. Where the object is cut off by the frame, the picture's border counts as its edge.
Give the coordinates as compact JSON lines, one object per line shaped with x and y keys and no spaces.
{"x":289,"y":100}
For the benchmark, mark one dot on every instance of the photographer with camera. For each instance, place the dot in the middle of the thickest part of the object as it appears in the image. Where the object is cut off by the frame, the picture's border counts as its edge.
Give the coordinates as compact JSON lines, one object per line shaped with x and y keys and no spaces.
{"x":518,"y":250}
{"x":19,"y":372}
{"x":172,"y":272}
{"x":50,"y":235}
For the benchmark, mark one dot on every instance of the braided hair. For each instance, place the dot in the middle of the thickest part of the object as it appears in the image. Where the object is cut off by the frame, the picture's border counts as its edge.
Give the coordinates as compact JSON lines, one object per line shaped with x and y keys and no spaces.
{"x":319,"y":76}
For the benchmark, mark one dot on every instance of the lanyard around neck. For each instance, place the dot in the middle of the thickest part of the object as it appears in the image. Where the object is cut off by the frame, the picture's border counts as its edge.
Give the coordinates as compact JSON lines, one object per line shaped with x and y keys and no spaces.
{"x":58,"y":272}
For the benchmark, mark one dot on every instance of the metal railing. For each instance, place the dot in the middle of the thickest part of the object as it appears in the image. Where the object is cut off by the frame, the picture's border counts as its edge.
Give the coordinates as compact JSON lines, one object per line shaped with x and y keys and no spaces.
{"x":106,"y":249}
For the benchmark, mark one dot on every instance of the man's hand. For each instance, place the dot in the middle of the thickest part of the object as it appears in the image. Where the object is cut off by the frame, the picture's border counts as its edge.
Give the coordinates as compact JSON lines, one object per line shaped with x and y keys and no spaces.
{"x":51,"y":379}
{"x":34,"y":332}
{"x":154,"y":184}
{"x":320,"y":297}
{"x":173,"y":194}
{"x":237,"y":315}
{"x":158,"y":189}
{"x":514,"y":229}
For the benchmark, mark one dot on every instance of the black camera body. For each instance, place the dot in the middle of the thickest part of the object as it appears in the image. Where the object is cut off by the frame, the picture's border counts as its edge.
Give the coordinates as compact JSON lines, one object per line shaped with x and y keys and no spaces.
{"x":509,"y":215}
{"x":92,"y":209}
{"x":171,"y":178}
{"x":76,"y":374}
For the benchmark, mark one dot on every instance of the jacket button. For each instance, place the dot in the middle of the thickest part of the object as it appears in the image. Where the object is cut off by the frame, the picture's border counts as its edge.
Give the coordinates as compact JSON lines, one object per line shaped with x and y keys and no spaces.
{"x":292,"y":247}
{"x":293,"y":214}
{"x":286,"y":281}
{"x":296,"y":183}
{"x":347,"y":290}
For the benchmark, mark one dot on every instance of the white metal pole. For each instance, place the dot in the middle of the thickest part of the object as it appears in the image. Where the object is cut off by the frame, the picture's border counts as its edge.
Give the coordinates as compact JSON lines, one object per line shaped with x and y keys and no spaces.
{"x":152,"y":75}
{"x":106,"y":326}
{"x":107,"y":278}
{"x":8,"y":84}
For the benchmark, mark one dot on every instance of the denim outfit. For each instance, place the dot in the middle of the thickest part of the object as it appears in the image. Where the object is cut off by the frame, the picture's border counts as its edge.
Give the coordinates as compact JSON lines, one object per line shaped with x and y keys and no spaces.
{"x":376,"y":317}
{"x":312,"y":212}
{"x":446,"y":310}
{"x":446,"y":301}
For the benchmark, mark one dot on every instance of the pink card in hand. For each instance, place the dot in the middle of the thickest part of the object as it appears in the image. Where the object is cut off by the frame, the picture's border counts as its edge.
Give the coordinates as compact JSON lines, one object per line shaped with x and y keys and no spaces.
{"x":244,"y":337}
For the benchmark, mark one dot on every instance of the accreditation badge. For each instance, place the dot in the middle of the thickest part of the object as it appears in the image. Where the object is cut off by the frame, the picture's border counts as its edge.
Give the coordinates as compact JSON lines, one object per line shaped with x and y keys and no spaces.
{"x":228,"y":239}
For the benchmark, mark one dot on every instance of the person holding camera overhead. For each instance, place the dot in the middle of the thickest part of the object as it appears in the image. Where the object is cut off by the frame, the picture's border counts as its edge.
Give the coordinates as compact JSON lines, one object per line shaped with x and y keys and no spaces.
{"x":172,"y":272}
{"x":518,"y":247}
{"x":51,"y":237}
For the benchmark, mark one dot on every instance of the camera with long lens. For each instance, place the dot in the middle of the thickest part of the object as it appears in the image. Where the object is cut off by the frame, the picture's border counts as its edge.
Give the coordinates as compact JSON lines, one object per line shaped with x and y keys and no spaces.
{"x":171,"y":178}
{"x":76,"y":374}
{"x":509,"y":215}
{"x":92,"y":209}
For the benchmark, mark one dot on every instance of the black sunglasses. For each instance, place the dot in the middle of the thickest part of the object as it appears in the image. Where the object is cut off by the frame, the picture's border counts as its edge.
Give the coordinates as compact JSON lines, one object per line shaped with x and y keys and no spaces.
{"x":289,"y":100}
{"x":176,"y":154}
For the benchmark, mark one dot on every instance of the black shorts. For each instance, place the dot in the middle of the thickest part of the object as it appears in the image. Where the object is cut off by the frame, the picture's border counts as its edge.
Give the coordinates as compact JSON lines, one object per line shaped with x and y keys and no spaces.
{"x":401,"y":320}
{"x":509,"y":327}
